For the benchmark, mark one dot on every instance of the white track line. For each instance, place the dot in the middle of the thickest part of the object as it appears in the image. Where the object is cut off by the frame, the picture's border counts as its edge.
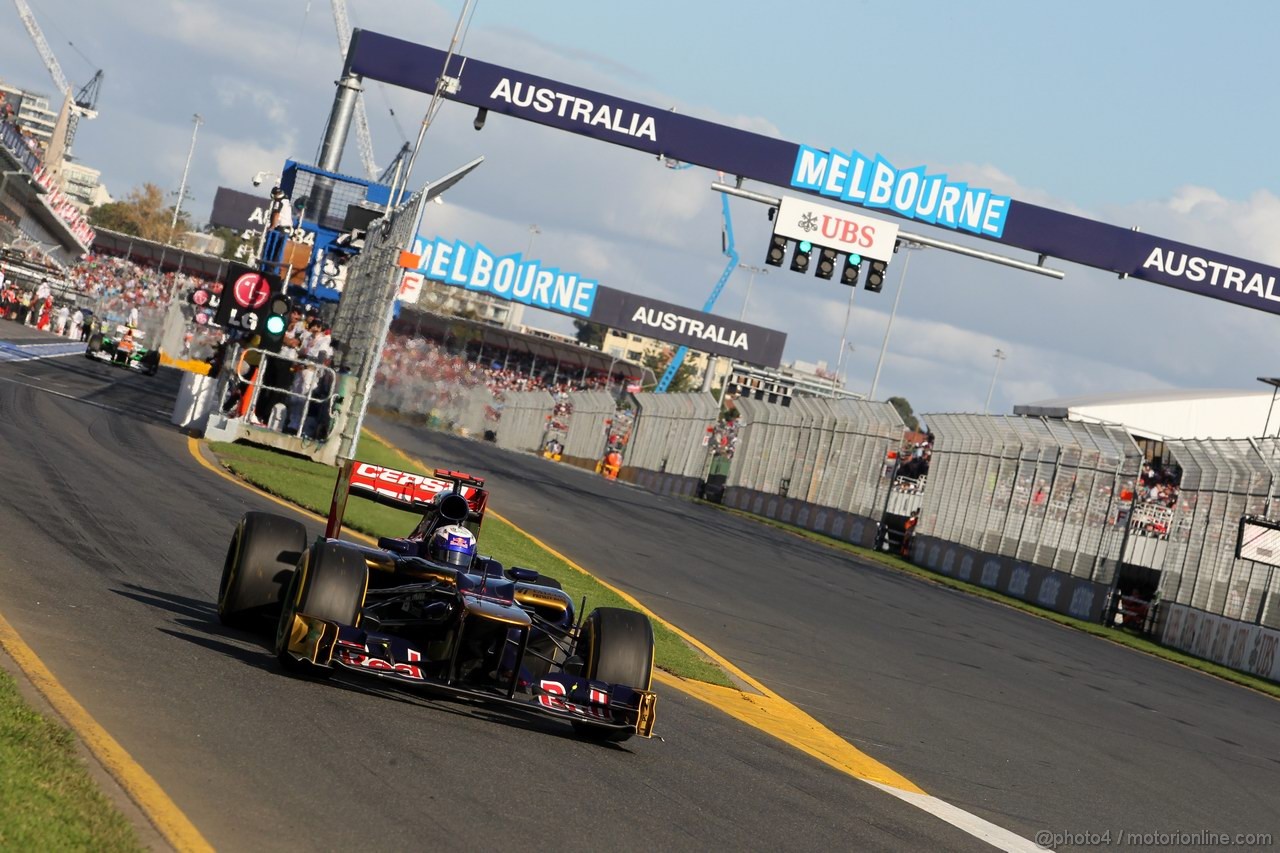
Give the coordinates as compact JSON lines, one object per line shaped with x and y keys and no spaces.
{"x":983,"y":830}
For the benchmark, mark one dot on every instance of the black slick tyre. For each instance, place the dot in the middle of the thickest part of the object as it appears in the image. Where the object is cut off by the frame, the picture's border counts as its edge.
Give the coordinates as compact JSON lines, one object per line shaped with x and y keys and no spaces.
{"x":95,"y":345}
{"x":616,"y":646}
{"x":330,"y":584}
{"x":263,"y":553}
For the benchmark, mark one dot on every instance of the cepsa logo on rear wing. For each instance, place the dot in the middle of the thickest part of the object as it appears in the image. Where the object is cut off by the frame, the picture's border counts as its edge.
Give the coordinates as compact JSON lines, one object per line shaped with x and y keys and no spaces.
{"x":403,"y":489}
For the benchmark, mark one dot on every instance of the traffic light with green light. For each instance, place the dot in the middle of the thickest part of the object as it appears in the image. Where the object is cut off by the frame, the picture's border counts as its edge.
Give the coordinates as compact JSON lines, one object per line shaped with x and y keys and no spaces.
{"x":275,"y":322}
{"x":852,"y":268}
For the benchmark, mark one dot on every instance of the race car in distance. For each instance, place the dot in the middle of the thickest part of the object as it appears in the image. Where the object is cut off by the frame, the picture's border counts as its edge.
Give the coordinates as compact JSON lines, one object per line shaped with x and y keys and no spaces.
{"x":428,"y":611}
{"x":125,"y":348}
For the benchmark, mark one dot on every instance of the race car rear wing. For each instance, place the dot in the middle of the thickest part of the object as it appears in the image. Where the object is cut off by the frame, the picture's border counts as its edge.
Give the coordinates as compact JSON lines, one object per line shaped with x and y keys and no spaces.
{"x":400,"y":489}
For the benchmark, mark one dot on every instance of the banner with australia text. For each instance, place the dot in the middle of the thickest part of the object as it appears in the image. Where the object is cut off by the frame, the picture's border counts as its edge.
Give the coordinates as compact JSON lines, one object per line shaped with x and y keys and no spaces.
{"x":533,"y":282}
{"x":867,"y":179}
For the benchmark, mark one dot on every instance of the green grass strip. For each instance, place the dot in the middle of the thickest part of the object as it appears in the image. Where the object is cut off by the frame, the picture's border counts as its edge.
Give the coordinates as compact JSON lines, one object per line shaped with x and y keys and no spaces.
{"x":48,"y":801}
{"x":1119,"y":636}
{"x":310,"y":485}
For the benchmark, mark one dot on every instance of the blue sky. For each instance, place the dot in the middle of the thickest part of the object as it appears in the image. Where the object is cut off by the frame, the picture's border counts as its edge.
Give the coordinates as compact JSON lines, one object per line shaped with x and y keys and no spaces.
{"x":1141,"y":113}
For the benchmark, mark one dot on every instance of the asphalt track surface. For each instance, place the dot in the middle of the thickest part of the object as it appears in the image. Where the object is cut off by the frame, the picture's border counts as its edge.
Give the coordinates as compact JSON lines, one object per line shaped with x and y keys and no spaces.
{"x":1027,"y":724}
{"x":113,"y":544}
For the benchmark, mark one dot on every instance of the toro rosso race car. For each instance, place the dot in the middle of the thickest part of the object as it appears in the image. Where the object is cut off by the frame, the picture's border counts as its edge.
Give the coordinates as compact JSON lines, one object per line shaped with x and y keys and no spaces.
{"x":125,"y":348}
{"x":428,"y":611}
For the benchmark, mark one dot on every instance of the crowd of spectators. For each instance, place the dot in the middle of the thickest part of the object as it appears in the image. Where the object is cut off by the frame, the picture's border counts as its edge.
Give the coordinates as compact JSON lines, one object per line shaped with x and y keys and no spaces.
{"x":723,"y":438}
{"x":1159,"y":484}
{"x":426,"y":368}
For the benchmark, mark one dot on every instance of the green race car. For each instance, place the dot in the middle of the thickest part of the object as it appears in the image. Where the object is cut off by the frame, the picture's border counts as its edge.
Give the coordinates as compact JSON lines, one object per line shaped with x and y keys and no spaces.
{"x":124,"y":348}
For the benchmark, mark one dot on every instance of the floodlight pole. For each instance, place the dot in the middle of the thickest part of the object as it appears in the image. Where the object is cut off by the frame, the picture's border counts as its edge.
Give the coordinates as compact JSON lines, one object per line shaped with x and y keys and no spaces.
{"x":182,"y":187}
{"x":902,"y":284}
{"x":999,"y":357}
{"x":844,"y":337}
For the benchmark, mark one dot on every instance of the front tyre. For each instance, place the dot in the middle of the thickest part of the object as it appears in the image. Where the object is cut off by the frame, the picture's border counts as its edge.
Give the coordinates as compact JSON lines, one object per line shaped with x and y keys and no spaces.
{"x":616,"y":646}
{"x":263,"y":552}
{"x":330,"y":584}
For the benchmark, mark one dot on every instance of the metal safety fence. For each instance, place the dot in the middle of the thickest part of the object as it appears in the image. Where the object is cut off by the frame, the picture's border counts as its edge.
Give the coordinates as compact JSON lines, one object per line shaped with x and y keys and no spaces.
{"x":592,"y":413}
{"x":669,"y":433}
{"x":1221,"y":482}
{"x":522,"y":424}
{"x":364,"y":313}
{"x":830,"y":453}
{"x":1043,"y":491}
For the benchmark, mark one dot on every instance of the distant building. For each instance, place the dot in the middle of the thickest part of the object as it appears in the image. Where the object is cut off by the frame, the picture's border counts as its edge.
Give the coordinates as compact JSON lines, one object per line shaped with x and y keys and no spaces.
{"x":83,"y":184}
{"x":29,"y":111}
{"x":799,"y":378}
{"x":442,"y":298}
{"x":633,"y":347}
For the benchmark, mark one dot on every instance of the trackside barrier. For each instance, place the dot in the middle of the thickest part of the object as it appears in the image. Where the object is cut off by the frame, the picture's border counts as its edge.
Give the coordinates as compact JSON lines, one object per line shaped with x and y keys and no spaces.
{"x":1047,"y":492}
{"x":818,"y":464}
{"x":667,"y":447}
{"x":1054,"y":590}
{"x":584,"y":442}
{"x":1230,"y":642}
{"x":1221,"y":481}
{"x":523,"y":421}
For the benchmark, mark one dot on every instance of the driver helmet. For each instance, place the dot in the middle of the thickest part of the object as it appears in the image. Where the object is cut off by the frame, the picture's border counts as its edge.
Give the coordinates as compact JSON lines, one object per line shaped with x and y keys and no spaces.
{"x":452,"y":545}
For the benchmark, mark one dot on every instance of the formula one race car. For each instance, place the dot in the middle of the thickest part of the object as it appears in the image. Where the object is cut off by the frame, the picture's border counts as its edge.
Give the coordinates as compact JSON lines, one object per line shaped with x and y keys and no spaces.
{"x":460,"y":623}
{"x":123,"y":347}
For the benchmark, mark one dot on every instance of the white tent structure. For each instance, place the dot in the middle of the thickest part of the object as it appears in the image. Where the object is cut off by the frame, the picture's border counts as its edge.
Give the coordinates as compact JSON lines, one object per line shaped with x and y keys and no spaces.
{"x":1207,"y":414}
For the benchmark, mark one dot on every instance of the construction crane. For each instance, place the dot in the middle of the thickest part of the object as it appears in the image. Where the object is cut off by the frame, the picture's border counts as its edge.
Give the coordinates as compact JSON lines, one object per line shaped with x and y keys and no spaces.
{"x":81,"y":104}
{"x":363,"y":138}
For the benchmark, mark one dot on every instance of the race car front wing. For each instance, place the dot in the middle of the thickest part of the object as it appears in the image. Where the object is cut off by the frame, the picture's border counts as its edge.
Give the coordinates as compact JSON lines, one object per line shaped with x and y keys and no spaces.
{"x":556,"y":694}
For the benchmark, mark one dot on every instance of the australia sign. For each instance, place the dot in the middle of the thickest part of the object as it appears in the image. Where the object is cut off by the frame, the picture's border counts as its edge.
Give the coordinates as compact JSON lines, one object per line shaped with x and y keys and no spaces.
{"x":697,"y":330}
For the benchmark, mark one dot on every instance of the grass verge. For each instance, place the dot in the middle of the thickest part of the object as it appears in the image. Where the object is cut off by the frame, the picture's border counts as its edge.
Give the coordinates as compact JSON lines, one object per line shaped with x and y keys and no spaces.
{"x":47,"y":799}
{"x":1115,"y":635}
{"x":310,"y":485}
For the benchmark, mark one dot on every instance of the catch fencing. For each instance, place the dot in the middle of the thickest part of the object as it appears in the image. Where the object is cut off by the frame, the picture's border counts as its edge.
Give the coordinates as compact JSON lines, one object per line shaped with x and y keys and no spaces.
{"x":364,"y":312}
{"x":1036,"y":508}
{"x":1221,"y":481}
{"x":829,"y":453}
{"x":591,"y":414}
{"x":522,"y":424}
{"x":666,"y":449}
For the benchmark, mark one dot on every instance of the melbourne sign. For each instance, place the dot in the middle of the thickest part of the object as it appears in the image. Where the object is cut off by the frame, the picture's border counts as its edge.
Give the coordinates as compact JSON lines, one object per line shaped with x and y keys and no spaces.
{"x":835,"y":228}
{"x":912,"y":193}
{"x":697,"y":330}
{"x":505,"y":276}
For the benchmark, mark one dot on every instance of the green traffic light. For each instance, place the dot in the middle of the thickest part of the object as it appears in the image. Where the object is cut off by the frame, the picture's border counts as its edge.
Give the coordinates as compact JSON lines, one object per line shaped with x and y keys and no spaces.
{"x":855,"y":259}
{"x":806,"y":246}
{"x":275,"y":324}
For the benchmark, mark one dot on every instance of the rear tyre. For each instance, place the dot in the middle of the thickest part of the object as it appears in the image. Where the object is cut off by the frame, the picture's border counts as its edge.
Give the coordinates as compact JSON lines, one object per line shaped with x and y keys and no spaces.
{"x":616,"y":646}
{"x":95,"y":345}
{"x":263,"y":553}
{"x":330,"y":584}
